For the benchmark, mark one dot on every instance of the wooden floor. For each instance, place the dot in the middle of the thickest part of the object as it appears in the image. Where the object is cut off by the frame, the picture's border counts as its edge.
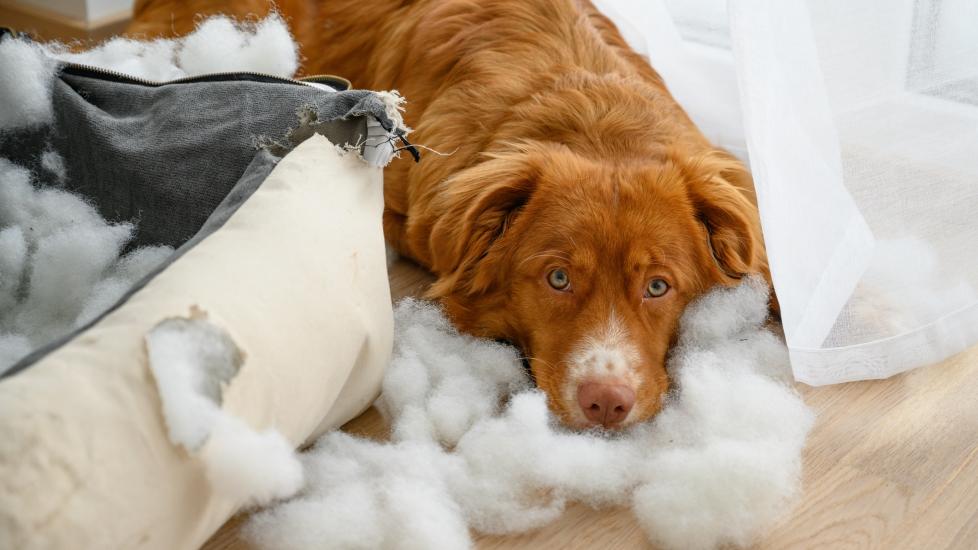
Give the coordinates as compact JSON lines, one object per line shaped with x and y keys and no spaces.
{"x":890,"y":464}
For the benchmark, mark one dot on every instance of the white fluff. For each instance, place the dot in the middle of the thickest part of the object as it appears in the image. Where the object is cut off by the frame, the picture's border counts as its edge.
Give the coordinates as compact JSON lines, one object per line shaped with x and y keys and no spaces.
{"x":250,"y":467}
{"x":53,"y":163}
{"x":450,"y":379}
{"x":717,"y":466}
{"x":121,"y":277}
{"x":25,"y":85}
{"x":192,"y":361}
{"x":361,"y":494}
{"x":217,"y":45}
{"x":64,"y":268}
{"x":60,"y":263}
{"x":13,"y":262}
{"x":151,"y":60}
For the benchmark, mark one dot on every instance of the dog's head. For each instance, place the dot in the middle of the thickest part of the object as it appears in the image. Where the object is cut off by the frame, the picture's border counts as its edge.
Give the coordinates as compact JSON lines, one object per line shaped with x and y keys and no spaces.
{"x":588,"y":266}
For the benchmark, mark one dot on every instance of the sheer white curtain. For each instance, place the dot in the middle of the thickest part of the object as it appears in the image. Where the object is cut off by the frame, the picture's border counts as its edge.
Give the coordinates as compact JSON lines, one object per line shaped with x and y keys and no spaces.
{"x":860,"y":119}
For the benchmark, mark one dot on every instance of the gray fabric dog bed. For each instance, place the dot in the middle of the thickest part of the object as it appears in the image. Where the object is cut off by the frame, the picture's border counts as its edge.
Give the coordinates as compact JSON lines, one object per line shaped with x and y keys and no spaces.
{"x":179,"y":158}
{"x":270,"y":192}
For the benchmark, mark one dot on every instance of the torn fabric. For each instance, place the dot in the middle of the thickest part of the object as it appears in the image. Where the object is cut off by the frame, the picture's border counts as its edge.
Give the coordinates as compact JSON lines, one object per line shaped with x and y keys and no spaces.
{"x":193,"y":360}
{"x":173,"y":160}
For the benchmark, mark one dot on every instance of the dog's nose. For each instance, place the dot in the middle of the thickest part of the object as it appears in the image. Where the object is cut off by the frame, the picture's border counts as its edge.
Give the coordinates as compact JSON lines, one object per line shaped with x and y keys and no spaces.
{"x":605,"y":404}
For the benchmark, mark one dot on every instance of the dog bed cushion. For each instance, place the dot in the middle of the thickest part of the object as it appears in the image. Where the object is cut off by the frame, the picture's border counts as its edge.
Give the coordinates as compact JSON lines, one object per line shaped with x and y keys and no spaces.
{"x":284,"y":255}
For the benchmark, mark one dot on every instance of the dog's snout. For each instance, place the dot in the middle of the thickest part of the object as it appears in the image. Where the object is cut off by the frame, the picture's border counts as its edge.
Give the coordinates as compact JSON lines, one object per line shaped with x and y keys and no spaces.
{"x":605,"y":404}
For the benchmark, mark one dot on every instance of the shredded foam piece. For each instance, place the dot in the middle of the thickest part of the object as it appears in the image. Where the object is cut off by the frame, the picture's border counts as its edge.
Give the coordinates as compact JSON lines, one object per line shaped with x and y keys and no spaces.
{"x":61,"y":263}
{"x":192,"y":361}
{"x":474,"y":446}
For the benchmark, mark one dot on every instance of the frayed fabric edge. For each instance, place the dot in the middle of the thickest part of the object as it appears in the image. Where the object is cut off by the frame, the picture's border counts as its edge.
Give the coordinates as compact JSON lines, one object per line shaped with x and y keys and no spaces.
{"x":376,"y":148}
{"x":193,"y":361}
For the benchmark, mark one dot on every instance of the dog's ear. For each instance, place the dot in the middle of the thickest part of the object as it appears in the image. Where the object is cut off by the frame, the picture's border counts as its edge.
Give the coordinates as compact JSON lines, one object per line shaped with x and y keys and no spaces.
{"x":721,"y":191}
{"x":474,"y":211}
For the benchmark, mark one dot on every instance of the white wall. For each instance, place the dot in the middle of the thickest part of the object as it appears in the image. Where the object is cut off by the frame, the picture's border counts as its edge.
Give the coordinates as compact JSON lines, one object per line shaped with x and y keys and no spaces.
{"x":83,"y":10}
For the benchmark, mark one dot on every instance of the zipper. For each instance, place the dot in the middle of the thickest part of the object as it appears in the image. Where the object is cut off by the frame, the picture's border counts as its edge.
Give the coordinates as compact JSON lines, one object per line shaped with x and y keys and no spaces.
{"x":337,"y":82}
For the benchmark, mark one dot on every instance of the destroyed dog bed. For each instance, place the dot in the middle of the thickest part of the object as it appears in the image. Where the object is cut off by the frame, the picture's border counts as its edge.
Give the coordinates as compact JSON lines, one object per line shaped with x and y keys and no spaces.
{"x":127,"y":203}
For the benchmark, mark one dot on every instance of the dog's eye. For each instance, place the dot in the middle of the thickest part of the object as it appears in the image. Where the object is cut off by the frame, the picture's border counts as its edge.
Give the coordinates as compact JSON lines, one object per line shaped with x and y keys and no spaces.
{"x":656,"y":288}
{"x":558,"y":279}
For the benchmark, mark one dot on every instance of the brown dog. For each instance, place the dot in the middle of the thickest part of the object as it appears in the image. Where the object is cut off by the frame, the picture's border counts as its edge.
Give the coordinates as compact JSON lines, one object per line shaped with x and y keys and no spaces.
{"x":581,"y":211}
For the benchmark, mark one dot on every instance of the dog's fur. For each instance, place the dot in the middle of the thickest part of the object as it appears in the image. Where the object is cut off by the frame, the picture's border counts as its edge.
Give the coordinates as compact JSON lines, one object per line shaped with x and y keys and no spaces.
{"x":569,"y":152}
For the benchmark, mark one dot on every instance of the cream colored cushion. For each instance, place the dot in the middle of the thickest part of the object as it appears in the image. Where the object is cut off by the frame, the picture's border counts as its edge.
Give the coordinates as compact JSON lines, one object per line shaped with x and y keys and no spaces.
{"x":298,"y":278}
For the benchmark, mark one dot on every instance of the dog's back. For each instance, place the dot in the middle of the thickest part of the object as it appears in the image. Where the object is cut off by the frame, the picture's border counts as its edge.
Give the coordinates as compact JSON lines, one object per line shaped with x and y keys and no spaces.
{"x":465,"y":66}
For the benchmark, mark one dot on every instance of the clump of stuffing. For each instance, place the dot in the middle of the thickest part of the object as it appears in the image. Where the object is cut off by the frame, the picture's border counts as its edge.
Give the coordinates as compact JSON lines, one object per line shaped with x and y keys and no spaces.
{"x":441,"y":382}
{"x":361,"y":494}
{"x":250,"y":467}
{"x":60,"y":263}
{"x":192,"y":361}
{"x":219,"y":44}
{"x":25,"y":88}
{"x":475,"y":447}
{"x":727,"y":448}
{"x":54,"y":164}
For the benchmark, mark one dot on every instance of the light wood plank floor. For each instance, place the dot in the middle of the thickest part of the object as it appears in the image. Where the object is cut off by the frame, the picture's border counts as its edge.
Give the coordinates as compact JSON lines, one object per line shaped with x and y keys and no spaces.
{"x":891,"y":464}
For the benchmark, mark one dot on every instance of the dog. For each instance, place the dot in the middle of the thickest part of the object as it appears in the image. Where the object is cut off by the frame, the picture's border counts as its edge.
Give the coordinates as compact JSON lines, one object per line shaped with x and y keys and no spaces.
{"x":580,"y":209}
